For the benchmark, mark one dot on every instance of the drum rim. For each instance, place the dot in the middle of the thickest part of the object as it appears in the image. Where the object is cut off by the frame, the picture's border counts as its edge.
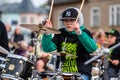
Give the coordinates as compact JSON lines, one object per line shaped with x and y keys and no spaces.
{"x":8,"y":76}
{"x":67,"y":74}
{"x":17,"y":57}
{"x":2,"y":58}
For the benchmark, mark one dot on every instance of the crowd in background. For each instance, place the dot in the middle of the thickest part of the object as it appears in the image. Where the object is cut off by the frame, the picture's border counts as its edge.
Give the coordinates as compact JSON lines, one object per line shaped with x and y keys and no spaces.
{"x":18,"y":45}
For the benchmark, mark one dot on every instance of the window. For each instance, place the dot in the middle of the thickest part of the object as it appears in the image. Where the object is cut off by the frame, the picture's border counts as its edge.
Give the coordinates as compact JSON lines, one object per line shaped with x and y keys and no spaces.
{"x":14,"y":22}
{"x":32,"y":20}
{"x":114,"y":15}
{"x":23,"y":19}
{"x":95,"y":17}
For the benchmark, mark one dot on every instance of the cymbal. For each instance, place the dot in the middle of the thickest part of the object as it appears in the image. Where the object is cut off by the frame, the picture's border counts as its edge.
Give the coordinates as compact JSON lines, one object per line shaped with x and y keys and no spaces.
{"x":63,"y":54}
{"x":40,"y":28}
{"x":3,"y":50}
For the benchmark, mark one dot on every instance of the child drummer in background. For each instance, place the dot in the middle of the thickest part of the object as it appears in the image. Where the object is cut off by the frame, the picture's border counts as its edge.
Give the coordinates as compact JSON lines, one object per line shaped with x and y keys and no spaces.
{"x":114,"y":56}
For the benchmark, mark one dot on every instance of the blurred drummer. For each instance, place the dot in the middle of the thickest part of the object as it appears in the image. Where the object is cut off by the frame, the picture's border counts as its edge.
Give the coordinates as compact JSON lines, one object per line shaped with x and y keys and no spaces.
{"x":31,"y":49}
{"x":114,"y":56}
{"x":23,"y":49}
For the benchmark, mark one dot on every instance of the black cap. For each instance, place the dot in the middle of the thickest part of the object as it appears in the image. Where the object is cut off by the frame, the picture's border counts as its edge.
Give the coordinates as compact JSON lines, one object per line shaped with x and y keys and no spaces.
{"x":113,"y":32}
{"x":69,"y":13}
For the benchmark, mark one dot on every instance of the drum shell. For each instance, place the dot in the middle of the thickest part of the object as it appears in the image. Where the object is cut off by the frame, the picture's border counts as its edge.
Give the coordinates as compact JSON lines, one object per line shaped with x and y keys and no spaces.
{"x":18,"y":68}
{"x":71,"y":76}
{"x":2,"y":61}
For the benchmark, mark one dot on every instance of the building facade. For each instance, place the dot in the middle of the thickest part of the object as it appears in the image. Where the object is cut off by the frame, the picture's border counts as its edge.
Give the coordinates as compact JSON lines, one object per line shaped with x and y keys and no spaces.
{"x":97,"y":13}
{"x":23,"y":12}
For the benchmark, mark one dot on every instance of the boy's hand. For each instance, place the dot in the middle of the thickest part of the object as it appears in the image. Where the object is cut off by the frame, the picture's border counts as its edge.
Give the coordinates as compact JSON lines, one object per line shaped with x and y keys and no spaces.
{"x":115,"y":62}
{"x":77,"y":28}
{"x":47,"y":24}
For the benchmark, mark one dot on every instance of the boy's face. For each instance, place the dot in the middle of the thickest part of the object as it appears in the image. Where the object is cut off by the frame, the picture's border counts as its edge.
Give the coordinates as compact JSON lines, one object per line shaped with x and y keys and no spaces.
{"x":111,"y":39}
{"x":70,"y":24}
{"x":101,"y":38}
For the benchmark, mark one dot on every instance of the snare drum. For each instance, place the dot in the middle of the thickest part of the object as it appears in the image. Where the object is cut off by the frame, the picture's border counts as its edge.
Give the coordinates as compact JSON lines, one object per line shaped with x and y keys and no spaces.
{"x":17,"y":67}
{"x":71,"y":76}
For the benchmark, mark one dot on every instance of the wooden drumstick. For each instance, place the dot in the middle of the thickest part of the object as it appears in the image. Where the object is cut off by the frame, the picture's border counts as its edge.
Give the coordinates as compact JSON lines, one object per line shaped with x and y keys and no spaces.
{"x":80,"y":9}
{"x":51,"y":10}
{"x":110,"y":60}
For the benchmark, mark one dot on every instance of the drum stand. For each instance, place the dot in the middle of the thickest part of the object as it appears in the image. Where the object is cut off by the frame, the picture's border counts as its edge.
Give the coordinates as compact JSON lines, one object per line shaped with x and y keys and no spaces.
{"x":105,"y":64}
{"x":59,"y":70}
{"x":51,"y":64}
{"x":99,"y":66}
{"x":58,"y":75}
{"x":33,"y":58}
{"x":55,"y":60}
{"x":35,"y":42}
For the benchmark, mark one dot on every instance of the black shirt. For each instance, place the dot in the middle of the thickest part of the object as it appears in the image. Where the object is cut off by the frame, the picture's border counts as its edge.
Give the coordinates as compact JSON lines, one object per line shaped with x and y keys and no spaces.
{"x":18,"y":37}
{"x":82,"y":53}
{"x":115,"y":55}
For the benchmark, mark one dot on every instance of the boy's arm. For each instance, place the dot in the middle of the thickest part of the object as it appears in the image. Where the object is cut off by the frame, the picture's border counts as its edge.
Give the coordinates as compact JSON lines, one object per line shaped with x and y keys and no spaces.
{"x":87,"y":42}
{"x":47,"y":44}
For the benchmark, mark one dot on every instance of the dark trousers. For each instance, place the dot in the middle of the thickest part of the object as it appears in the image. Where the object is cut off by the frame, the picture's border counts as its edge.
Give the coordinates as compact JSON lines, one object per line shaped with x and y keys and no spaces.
{"x":113,"y":73}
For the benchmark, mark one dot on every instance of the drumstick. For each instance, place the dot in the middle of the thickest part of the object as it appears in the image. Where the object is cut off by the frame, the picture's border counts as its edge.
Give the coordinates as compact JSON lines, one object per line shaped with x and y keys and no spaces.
{"x":80,"y":9}
{"x":110,"y":60}
{"x":51,"y":10}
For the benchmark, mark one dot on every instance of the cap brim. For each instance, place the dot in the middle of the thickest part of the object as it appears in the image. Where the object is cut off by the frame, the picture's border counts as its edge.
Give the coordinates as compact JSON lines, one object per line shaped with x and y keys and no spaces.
{"x":67,"y":18}
{"x":107,"y":33}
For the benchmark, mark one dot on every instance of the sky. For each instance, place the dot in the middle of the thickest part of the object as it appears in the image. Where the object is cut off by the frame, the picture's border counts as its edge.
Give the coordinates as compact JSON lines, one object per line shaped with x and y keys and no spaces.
{"x":36,"y":3}
{"x":39,"y":2}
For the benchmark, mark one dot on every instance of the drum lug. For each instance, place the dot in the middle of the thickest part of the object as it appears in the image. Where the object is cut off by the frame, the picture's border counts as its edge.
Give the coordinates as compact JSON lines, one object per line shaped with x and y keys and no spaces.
{"x":33,"y":67}
{"x":7,"y":59}
{"x":20,"y":62}
{"x":3,"y":71}
{"x":29,"y":79}
{"x":17,"y":73}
